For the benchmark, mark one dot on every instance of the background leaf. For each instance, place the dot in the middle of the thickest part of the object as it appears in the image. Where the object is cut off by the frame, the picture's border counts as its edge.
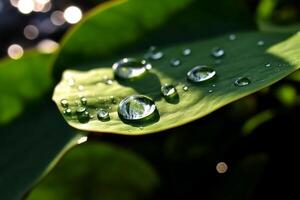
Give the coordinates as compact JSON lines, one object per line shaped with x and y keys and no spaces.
{"x":22,"y":81}
{"x":98,"y":171}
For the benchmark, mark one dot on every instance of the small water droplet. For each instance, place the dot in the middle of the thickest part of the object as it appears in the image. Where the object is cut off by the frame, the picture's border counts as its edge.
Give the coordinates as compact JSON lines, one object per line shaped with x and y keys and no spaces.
{"x":214,"y":85}
{"x":91,"y":116}
{"x":185,"y":88}
{"x":153,"y":54}
{"x":64,"y":103}
{"x":83,"y":117}
{"x":113,"y":100}
{"x":186,"y":51}
{"x":80,"y":87}
{"x":232,"y":37}
{"x":129,"y":68}
{"x":168,"y":90}
{"x":217,"y":52}
{"x":83,"y":101}
{"x":260,"y":43}
{"x":67,"y":111}
{"x":201,"y":73}
{"x":103,"y":115}
{"x":268,"y":65}
{"x":136,"y":107}
{"x":210,"y":91}
{"x":80,"y":109}
{"x":108,"y":82}
{"x":175,"y":62}
{"x":242,"y":81}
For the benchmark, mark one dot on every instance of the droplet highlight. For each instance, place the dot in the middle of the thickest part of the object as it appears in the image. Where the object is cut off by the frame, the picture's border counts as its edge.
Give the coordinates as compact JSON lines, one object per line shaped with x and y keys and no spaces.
{"x":242,"y":81}
{"x":217,"y":52}
{"x":83,"y":101}
{"x":154,"y":53}
{"x":186,"y":51}
{"x":64,"y":103}
{"x":129,"y":68}
{"x":168,"y":90}
{"x":201,"y":73}
{"x":175,"y":62}
{"x":260,"y":43}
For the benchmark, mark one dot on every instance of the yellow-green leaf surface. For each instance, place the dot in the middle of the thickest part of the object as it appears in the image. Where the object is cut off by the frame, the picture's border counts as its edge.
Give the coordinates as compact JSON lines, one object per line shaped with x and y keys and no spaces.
{"x":22,"y":81}
{"x":243,"y":58}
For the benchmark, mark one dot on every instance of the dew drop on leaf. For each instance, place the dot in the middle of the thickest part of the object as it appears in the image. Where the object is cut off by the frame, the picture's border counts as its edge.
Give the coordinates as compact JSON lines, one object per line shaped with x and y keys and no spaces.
{"x":103,"y":115}
{"x":64,"y":103}
{"x":242,"y":81}
{"x":186,"y":51}
{"x":129,"y":68}
{"x":217,"y":52}
{"x":168,"y":90}
{"x":175,"y":62}
{"x":201,"y":73}
{"x":136,"y":107}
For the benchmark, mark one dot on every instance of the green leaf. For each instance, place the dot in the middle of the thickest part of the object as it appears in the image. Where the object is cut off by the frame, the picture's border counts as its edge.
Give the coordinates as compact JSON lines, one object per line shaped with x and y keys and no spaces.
{"x":113,"y":27}
{"x":98,"y":171}
{"x":30,"y":147}
{"x":22,"y":81}
{"x":244,"y":58}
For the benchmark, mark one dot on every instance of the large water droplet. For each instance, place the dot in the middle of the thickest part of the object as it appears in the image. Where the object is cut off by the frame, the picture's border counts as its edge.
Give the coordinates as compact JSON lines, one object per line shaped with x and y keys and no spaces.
{"x":175,"y":62}
{"x":129,"y":68}
{"x":217,"y":52}
{"x":242,"y":81}
{"x":154,"y":54}
{"x":64,"y":103}
{"x":168,"y":90}
{"x":186,"y":51}
{"x":103,"y":115}
{"x":201,"y":73}
{"x":136,"y":107}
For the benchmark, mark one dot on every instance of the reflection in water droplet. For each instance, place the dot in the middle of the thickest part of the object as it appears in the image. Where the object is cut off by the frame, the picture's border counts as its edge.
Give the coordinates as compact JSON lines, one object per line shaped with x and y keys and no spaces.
{"x":129,"y":68}
{"x":83,"y":117}
{"x":185,"y":88}
{"x":136,"y":107}
{"x":210,"y":91}
{"x":175,"y":62}
{"x":217,"y":52}
{"x":168,"y":90}
{"x":260,"y":43}
{"x":268,"y":65}
{"x":83,"y":101}
{"x":214,"y":85}
{"x":242,"y":81}
{"x":64,"y":103}
{"x":186,"y":51}
{"x":201,"y":73}
{"x":153,"y":54}
{"x":103,"y":115}
{"x":80,"y":109}
{"x":232,"y":37}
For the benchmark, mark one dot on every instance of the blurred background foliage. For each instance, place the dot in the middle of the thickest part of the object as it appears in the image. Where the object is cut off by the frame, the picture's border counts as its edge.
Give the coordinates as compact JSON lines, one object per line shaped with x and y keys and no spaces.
{"x":246,"y":150}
